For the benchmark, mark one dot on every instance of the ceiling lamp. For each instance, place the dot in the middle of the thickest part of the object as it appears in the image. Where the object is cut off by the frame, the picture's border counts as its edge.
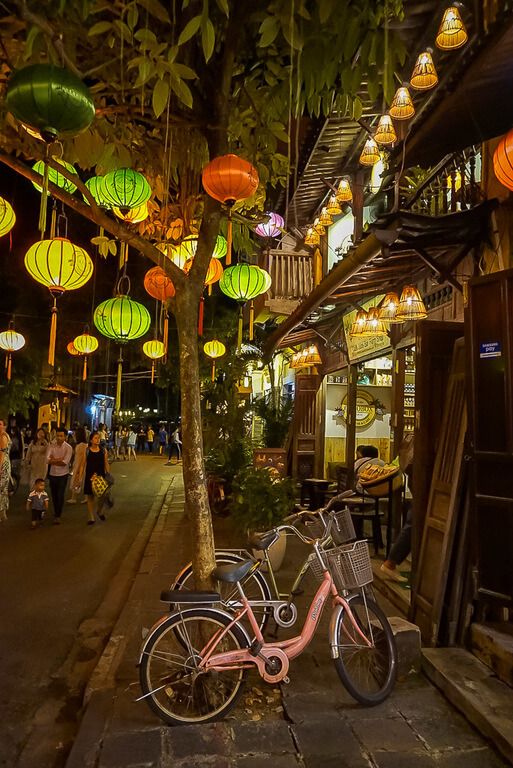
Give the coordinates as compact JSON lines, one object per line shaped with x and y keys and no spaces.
{"x":344,"y":192}
{"x":370,"y":153}
{"x":312,"y":237}
{"x":295,"y":360}
{"x":374,"y":325}
{"x":424,"y":73}
{"x":214,"y":349}
{"x":272,"y":227}
{"x":452,"y":33}
{"x":411,"y":306}
{"x":325,"y":218}
{"x":155,"y":350}
{"x":388,"y":308}
{"x":11,"y":341}
{"x":85,"y":344}
{"x":333,"y":206}
{"x":318,"y":227}
{"x":402,"y":106}
{"x":385,"y":132}
{"x":7,"y":217}
{"x":311,"y":356}
{"x":359,"y":324}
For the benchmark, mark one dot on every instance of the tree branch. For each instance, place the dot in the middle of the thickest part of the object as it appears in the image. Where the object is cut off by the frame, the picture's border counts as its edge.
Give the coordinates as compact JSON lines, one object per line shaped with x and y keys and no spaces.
{"x":54,"y":37}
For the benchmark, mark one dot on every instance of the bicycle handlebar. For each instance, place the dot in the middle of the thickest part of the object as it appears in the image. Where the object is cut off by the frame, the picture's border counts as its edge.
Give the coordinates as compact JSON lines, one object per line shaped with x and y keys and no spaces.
{"x":301,"y":536}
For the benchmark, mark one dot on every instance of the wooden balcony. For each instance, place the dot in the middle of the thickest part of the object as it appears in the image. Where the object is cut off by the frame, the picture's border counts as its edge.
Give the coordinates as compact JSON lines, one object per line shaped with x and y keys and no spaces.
{"x":292,"y":279}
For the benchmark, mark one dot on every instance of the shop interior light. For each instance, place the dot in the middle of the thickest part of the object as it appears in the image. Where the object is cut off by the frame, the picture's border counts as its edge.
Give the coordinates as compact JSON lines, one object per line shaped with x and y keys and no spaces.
{"x":311,"y":356}
{"x":388,"y":309}
{"x":325,"y":218}
{"x":318,"y":227}
{"x":374,"y":325}
{"x":333,"y":206}
{"x":312,"y":237}
{"x":402,"y":106}
{"x":359,"y":324}
{"x":344,"y":191}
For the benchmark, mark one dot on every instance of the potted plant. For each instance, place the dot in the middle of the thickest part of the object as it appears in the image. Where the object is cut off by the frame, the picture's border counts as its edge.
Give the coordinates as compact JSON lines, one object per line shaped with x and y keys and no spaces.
{"x":260,"y":501}
{"x":276,"y":412}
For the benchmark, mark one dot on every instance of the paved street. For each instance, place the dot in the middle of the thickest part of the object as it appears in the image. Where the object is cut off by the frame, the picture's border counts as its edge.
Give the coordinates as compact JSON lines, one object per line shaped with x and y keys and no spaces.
{"x":53,"y":581}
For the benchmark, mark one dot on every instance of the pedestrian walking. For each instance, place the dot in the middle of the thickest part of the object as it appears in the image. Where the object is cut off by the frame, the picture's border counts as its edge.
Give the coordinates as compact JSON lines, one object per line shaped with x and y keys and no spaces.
{"x":117,"y":443}
{"x":150,"y":436}
{"x":77,"y":483}
{"x":58,"y":457}
{"x":162,"y":439}
{"x":94,"y":464}
{"x":174,"y":446}
{"x":37,"y":502}
{"x":36,"y":457}
{"x":141,"y":439}
{"x":131,"y":444}
{"x":17,"y":448}
{"x":124,"y":443}
{"x":5,"y":471}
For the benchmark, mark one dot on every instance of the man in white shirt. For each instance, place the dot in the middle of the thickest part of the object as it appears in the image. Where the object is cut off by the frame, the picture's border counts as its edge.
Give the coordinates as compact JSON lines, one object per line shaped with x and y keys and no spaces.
{"x":58,"y":458}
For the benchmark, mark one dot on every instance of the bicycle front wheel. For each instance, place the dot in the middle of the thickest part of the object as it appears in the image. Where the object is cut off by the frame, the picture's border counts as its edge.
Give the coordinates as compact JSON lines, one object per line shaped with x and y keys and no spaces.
{"x":367,"y":669}
{"x":175,"y":687}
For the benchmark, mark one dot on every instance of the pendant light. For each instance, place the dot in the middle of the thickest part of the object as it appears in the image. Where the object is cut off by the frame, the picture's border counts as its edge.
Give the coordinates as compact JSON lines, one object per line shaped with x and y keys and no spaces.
{"x":311,"y":356}
{"x":296,"y":361}
{"x":424,"y":74}
{"x":10,"y":341}
{"x":359,"y":324}
{"x":388,"y":308}
{"x":7,"y":217}
{"x":325,"y":218}
{"x":374,"y":325}
{"x":402,"y":106}
{"x":370,"y":153}
{"x":333,"y":206}
{"x":385,"y":132}
{"x":155,"y":350}
{"x":312,"y":237}
{"x":318,"y":227}
{"x":411,"y":306}
{"x":344,"y":191}
{"x":214,"y":349}
{"x":452,"y":33}
{"x":85,"y":344}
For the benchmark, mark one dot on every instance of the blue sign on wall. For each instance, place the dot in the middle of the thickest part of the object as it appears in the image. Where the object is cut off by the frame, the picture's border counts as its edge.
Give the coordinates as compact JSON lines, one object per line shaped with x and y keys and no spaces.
{"x":490,"y":349}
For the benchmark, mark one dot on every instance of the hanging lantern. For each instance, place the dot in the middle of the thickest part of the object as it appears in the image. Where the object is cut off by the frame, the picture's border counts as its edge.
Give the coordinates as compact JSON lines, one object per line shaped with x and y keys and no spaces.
{"x":243,"y":283}
{"x":122,"y":319}
{"x":503,"y":160}
{"x":370,"y":153}
{"x":158,"y":284}
{"x":7,"y":217}
{"x":229,"y":178}
{"x":452,"y":33}
{"x":10,"y":341}
{"x":272,"y":227}
{"x":411,"y":306}
{"x":60,"y":266}
{"x":424,"y":74}
{"x":55,"y":177}
{"x":72,"y":350}
{"x":325,"y":218}
{"x":125,"y":188}
{"x":344,"y":191}
{"x":311,"y":356}
{"x":94,"y":186}
{"x":51,"y":100}
{"x":402,"y":106}
{"x":333,"y":206}
{"x":133,"y":215}
{"x":388,"y":308}
{"x":358,"y":327}
{"x":155,"y":350}
{"x":214,"y":349}
{"x":220,"y":248}
{"x":179,"y":254}
{"x":85,"y":344}
{"x":296,"y":360}
{"x":374,"y":326}
{"x":385,"y":132}
{"x":318,"y":227}
{"x":312,"y":237}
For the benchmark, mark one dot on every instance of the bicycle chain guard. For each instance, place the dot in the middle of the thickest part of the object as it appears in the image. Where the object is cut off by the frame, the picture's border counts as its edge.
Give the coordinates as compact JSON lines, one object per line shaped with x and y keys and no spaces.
{"x":272,"y":655}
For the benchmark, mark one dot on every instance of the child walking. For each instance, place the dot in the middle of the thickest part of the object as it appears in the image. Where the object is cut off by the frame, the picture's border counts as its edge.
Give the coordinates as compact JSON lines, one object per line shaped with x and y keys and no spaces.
{"x":37,"y":502}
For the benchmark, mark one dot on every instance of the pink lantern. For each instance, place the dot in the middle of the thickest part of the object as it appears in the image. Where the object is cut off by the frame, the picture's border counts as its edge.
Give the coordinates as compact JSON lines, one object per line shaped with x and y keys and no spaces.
{"x":272,"y":227}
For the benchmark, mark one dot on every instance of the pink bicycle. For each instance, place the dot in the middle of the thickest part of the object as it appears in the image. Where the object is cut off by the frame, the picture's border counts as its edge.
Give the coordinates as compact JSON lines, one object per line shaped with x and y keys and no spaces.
{"x":193,"y":662}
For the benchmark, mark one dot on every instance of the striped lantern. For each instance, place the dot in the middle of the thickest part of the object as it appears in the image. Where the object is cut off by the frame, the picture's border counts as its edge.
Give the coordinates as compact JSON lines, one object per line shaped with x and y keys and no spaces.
{"x":10,"y":341}
{"x":214,"y":349}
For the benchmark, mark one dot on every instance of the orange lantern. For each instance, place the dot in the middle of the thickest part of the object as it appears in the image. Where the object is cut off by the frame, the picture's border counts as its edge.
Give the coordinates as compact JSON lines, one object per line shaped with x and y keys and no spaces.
{"x":72,"y":350}
{"x":503,"y":160}
{"x":229,"y":178}
{"x":158,"y":284}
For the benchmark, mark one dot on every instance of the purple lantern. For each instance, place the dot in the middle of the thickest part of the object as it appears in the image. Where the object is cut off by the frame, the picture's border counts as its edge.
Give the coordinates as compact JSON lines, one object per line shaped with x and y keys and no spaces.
{"x":272,"y":227}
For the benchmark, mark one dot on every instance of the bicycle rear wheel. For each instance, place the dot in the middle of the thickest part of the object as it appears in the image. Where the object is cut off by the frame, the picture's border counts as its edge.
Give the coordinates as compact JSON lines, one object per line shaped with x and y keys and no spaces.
{"x":175,"y":688}
{"x":368,"y":671}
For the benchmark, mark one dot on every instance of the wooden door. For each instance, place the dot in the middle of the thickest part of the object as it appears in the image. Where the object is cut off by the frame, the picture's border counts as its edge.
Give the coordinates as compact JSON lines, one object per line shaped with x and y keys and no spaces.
{"x":444,"y":503}
{"x":306,"y":442}
{"x":490,"y":331}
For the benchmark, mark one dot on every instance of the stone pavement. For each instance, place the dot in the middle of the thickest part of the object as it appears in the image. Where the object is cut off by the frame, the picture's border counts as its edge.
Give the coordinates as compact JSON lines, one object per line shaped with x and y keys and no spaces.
{"x":312,"y":722}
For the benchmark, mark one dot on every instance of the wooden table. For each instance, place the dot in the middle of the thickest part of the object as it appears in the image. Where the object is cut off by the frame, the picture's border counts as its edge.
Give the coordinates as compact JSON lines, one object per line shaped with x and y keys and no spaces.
{"x":315,"y":489}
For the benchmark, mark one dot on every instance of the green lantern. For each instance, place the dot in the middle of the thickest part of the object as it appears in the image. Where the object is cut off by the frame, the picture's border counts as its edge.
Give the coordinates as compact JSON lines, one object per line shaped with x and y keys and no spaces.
{"x":220,"y":248}
{"x":125,"y":188}
{"x":94,"y":186}
{"x":244,"y":282}
{"x":122,"y":319}
{"x":7,"y":217}
{"x":55,"y":177}
{"x":51,"y":100}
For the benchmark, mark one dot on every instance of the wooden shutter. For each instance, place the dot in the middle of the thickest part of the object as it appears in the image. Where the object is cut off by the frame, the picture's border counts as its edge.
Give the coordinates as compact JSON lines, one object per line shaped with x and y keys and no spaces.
{"x":306,"y":426}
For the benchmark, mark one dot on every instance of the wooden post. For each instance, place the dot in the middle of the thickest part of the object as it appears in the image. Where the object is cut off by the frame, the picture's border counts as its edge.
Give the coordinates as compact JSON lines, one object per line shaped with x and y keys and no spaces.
{"x":352,"y":378}
{"x":358,"y":199}
{"x":321,"y":428}
{"x":397,"y":415}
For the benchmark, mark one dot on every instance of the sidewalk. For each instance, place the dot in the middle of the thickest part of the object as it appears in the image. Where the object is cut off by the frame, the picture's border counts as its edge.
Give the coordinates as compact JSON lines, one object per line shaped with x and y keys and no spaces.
{"x":312,"y":723}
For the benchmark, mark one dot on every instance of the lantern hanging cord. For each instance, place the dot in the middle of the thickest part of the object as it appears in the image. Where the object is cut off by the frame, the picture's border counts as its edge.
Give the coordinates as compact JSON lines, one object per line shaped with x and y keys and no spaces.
{"x":291,"y":33}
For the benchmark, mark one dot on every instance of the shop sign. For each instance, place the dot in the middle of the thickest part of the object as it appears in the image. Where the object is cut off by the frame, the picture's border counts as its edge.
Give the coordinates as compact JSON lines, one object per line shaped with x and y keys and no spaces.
{"x":490,"y":349}
{"x":365,"y":409}
{"x":360,"y":347}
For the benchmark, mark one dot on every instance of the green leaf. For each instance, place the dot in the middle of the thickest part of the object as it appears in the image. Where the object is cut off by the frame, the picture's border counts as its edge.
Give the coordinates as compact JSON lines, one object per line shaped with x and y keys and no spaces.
{"x":113,"y":248}
{"x":325,"y":10}
{"x":132,"y":16}
{"x":160,"y":96}
{"x":190,"y":29}
{"x":269,"y":29}
{"x":278,"y":130}
{"x":357,"y":108}
{"x":182,"y":90}
{"x":145,"y":36}
{"x":186,"y":73}
{"x":29,"y":42}
{"x":99,"y":28}
{"x":223,"y":7}
{"x":156,"y":9}
{"x":208,"y":39}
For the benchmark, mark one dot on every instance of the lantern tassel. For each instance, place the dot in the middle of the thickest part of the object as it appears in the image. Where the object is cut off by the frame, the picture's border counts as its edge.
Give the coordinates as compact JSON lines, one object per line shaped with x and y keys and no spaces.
{"x":84,"y":370}
{"x":229,"y":235}
{"x":213,"y":371}
{"x":152,"y":371}
{"x":123,"y":255}
{"x":201,"y":313}
{"x":9,"y":366}
{"x":53,"y":335}
{"x":239,"y":331}
{"x":165,"y":335}
{"x":118,"y":382}
{"x":210,"y":289}
{"x":44,"y":201}
{"x":251,"y":320}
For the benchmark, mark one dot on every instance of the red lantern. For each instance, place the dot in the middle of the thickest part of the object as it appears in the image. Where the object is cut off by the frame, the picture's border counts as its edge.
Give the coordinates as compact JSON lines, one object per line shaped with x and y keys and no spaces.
{"x":503,"y":160}
{"x":158,"y":284}
{"x":230,"y":178}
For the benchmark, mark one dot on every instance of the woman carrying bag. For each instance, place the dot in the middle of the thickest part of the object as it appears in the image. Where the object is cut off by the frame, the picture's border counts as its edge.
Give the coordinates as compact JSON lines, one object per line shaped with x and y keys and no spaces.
{"x":97,"y":480}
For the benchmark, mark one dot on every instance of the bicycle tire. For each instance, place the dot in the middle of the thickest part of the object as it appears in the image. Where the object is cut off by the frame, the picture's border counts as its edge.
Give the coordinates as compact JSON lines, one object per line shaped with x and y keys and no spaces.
{"x":176,"y":694}
{"x":254,"y":585}
{"x":368,"y":673}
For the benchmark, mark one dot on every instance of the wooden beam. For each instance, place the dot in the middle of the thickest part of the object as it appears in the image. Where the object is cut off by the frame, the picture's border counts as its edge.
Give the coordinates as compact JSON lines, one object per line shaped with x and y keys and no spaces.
{"x":443,"y":274}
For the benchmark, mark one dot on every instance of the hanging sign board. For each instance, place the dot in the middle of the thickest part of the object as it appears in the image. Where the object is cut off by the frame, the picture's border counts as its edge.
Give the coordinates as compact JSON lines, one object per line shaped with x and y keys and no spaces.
{"x":365,"y":409}
{"x":361,"y":347}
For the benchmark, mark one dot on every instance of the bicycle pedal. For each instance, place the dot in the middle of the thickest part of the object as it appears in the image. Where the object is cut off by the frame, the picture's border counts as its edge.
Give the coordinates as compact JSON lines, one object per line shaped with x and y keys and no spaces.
{"x":286,"y":680}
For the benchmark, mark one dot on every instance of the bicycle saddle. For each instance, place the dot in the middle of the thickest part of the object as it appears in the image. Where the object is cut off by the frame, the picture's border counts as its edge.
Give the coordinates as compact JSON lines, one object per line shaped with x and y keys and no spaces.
{"x":262,"y":541}
{"x":182,"y":596}
{"x":232,"y":573}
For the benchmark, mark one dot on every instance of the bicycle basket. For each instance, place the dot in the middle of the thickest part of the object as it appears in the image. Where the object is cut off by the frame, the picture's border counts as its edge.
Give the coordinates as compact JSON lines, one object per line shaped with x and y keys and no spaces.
{"x":349,"y":565}
{"x":342,"y":528}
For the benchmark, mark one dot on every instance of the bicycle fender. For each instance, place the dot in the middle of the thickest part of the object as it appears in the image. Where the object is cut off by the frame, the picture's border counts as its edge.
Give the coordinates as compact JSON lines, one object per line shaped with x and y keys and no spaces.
{"x":335,"y":616}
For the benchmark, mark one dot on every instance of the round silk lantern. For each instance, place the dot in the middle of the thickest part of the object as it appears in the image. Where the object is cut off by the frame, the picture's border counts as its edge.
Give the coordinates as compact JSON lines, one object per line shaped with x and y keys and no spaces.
{"x":7,"y":217}
{"x":155,"y":350}
{"x":122,"y":319}
{"x":229,"y":178}
{"x":55,"y":177}
{"x":503,"y":161}
{"x":179,"y":254}
{"x":94,"y":186}
{"x":220,"y":248}
{"x":10,"y":341}
{"x":272,"y":227}
{"x":214,"y":349}
{"x":133,"y":215}
{"x":158,"y":284}
{"x":72,"y":350}
{"x":244,"y":282}
{"x":125,"y":188}
{"x":85,"y":344}
{"x":51,"y":100}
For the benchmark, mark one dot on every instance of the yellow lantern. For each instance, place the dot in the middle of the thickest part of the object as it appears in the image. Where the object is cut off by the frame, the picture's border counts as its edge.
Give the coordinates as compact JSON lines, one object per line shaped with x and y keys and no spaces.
{"x":333,"y":206}
{"x":385,"y":132}
{"x":402,"y":106}
{"x":370,"y":153}
{"x":85,"y":344}
{"x":312,"y":238}
{"x":374,"y":325}
{"x":318,"y":227}
{"x":452,"y":33}
{"x":311,"y":356}
{"x":7,"y":217}
{"x":214,"y":349}
{"x":10,"y":341}
{"x":358,"y":327}
{"x":411,"y":306}
{"x":154,"y":349}
{"x":424,"y":73}
{"x":132,"y":215}
{"x":325,"y":217}
{"x":344,"y":191}
{"x":388,"y":308}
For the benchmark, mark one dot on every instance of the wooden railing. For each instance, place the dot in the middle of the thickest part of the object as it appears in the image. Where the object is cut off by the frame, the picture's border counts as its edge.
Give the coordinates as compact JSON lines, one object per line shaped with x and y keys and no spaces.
{"x":291,"y":272}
